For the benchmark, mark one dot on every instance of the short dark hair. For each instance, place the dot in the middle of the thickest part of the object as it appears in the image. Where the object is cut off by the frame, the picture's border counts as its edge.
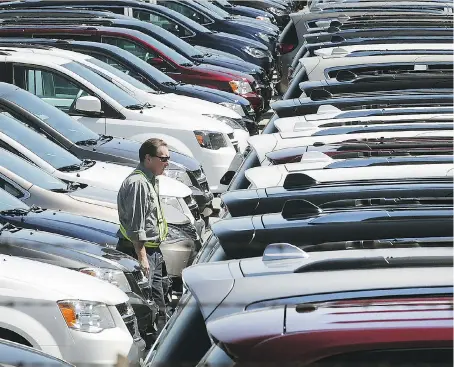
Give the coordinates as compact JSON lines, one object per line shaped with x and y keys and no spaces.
{"x":150,"y":147}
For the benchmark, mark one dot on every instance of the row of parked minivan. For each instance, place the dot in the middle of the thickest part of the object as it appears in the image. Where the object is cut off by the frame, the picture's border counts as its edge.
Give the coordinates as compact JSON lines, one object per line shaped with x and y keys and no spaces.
{"x":334,"y":246}
{"x":82,"y":85}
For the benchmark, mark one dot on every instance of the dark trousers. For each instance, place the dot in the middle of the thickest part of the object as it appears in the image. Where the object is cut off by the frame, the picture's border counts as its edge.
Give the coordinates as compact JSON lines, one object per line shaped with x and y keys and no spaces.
{"x":158,"y":273}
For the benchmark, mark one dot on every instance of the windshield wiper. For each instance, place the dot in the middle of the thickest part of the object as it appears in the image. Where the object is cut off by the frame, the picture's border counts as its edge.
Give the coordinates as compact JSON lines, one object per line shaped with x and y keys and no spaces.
{"x":187,"y":64}
{"x":87,"y":142}
{"x":171,"y":84}
{"x":85,"y":163}
{"x":139,"y":106}
{"x":15,"y":211}
{"x":199,"y":56}
{"x":8,"y":226}
{"x":105,"y":137}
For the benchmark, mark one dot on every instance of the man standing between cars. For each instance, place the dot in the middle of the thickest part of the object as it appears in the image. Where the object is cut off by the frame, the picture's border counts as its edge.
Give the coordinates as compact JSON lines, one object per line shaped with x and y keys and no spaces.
{"x":142,"y":224}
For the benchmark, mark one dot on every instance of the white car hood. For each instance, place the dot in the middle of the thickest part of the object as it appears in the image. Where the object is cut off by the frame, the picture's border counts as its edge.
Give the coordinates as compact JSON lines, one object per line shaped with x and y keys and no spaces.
{"x":32,"y":279}
{"x":174,"y":119}
{"x":110,"y":176}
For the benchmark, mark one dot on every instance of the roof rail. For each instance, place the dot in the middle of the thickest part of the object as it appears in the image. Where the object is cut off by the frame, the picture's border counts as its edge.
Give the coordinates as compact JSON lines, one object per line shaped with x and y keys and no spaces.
{"x":282,"y":251}
{"x":298,"y":180}
{"x":382,"y":243}
{"x":378,"y":262}
{"x":348,"y":203}
{"x":299,"y":208}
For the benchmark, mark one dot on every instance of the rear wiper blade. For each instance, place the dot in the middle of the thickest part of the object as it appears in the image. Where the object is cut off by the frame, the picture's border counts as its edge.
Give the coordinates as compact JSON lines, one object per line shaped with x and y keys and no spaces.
{"x":15,"y":211}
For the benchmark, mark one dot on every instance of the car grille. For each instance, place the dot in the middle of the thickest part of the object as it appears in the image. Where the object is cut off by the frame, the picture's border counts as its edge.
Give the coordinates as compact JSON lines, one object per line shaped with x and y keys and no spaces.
{"x":234,"y":142}
{"x":204,"y":186}
{"x":192,"y":205}
{"x":129,"y":319}
{"x":197,"y":174}
{"x":143,"y":284}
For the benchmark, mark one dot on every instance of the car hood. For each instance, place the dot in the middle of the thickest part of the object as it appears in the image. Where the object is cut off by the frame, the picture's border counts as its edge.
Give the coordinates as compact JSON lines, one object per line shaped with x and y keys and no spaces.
{"x":218,"y":95}
{"x":258,"y":25}
{"x":167,"y":116}
{"x":68,"y":224}
{"x":110,"y":176}
{"x":241,"y":40}
{"x":130,"y":149}
{"x":210,"y":68}
{"x":35,"y":280}
{"x":196,"y":104}
{"x":75,"y":253}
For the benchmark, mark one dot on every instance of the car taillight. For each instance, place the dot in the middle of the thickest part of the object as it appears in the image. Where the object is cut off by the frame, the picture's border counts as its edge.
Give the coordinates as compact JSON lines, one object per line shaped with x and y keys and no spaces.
{"x":285,"y":48}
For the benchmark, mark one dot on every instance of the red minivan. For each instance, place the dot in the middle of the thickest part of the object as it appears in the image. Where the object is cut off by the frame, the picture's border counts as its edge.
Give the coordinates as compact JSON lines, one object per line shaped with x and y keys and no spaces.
{"x":153,"y":52}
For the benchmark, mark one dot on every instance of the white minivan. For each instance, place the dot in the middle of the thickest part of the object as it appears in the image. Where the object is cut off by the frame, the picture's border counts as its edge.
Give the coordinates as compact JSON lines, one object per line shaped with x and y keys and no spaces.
{"x":188,"y":106}
{"x":66,"y":314}
{"x":107,"y":109}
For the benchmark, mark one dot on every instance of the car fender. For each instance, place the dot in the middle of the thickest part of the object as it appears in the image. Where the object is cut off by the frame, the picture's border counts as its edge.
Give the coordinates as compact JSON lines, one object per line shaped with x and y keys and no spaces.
{"x":29,"y":328}
{"x":173,"y":143}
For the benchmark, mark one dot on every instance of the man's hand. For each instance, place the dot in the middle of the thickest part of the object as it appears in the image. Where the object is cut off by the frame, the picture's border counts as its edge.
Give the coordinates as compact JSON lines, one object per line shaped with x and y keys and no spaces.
{"x":142,"y":257}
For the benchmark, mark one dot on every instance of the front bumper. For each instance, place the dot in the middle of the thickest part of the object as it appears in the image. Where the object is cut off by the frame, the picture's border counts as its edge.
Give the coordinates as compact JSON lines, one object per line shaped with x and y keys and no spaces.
{"x":178,"y":254}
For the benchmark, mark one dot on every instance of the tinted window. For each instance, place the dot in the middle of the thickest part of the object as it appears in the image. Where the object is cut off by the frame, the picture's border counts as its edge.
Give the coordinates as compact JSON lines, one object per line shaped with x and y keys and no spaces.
{"x":51,"y":153}
{"x":11,"y":190}
{"x":222,"y":13}
{"x":60,"y":121}
{"x":433,"y":357}
{"x":9,"y":200}
{"x":30,"y":172}
{"x":120,"y":74}
{"x":163,"y":22}
{"x":188,"y":12}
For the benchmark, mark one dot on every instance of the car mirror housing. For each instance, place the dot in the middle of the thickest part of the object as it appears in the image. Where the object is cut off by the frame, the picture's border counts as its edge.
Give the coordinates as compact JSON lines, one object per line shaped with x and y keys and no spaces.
{"x":88,"y":104}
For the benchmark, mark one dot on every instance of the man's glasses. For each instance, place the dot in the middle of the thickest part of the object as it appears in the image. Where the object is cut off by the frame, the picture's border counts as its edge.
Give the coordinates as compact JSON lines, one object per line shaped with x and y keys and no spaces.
{"x":163,"y":159}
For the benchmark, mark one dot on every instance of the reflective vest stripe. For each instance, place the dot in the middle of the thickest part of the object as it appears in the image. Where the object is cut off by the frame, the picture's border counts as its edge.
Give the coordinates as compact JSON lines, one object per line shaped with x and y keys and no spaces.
{"x":162,"y":223}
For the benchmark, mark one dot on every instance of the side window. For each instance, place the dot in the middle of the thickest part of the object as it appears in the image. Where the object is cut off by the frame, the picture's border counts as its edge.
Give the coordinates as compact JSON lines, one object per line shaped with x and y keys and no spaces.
{"x":163,"y":22}
{"x":132,"y":47}
{"x":9,"y":188}
{"x":188,"y":12}
{"x":51,"y":87}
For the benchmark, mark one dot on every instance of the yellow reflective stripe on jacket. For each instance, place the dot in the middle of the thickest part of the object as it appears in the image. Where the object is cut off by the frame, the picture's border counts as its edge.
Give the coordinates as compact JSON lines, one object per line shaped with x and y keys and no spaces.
{"x":162,"y":223}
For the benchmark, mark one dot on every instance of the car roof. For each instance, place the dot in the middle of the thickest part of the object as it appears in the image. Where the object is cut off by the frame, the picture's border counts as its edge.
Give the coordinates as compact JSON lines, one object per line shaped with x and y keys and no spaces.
{"x":308,"y":333}
{"x":213,"y":285}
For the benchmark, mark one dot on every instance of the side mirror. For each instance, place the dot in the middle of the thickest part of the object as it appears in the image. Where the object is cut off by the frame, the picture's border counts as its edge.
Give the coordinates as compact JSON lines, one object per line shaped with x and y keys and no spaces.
{"x":88,"y":104}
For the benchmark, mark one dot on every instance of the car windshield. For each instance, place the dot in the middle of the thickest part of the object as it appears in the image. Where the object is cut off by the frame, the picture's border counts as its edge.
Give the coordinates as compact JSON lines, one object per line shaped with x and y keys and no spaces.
{"x":58,"y":120}
{"x":107,"y":87}
{"x":48,"y":151}
{"x":29,"y":172}
{"x":119,"y":74}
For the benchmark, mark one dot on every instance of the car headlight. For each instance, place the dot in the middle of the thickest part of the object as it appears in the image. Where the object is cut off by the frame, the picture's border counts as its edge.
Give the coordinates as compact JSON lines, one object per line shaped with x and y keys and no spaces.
{"x":172,"y":201}
{"x":255,"y":52}
{"x":115,"y":277}
{"x":179,"y":175}
{"x":265,"y":19}
{"x":276,"y":11}
{"x":234,"y":124}
{"x":263,"y":37}
{"x":235,"y":107}
{"x":240,"y":86}
{"x":86,"y":316}
{"x":210,"y":139}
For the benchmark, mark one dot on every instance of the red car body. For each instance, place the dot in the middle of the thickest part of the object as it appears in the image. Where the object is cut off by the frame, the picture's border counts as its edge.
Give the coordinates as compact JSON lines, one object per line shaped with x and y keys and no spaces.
{"x":337,"y":331}
{"x":166,"y":59}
